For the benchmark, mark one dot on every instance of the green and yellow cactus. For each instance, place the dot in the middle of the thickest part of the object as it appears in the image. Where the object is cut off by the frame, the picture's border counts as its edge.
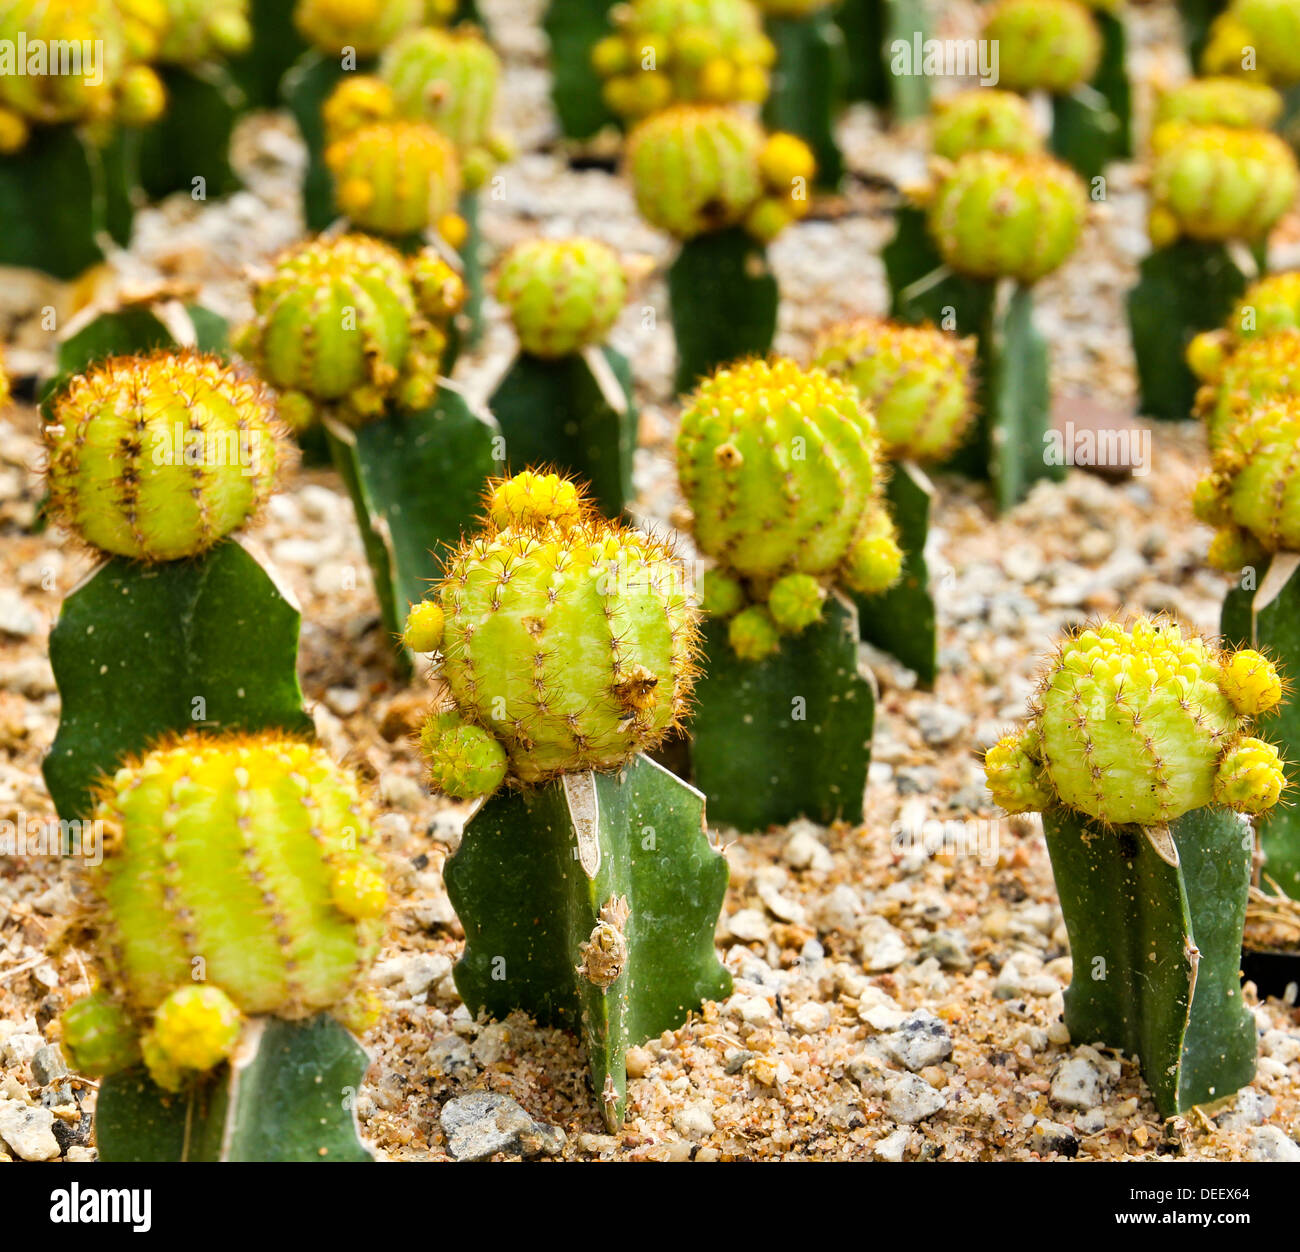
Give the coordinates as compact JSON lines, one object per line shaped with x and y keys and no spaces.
{"x":366,"y":26}
{"x":1216,"y":183}
{"x":203,"y":30}
{"x":350,"y":327}
{"x":1219,"y":101}
{"x":157,"y":458}
{"x":1263,"y":368}
{"x":1050,"y":45}
{"x":1269,"y":305}
{"x":568,"y":643}
{"x":1255,"y":39}
{"x":683,"y":51}
{"x":450,"y":80}
{"x":994,"y":214}
{"x":917,"y":381}
{"x":561,"y":294}
{"x":983,"y":119}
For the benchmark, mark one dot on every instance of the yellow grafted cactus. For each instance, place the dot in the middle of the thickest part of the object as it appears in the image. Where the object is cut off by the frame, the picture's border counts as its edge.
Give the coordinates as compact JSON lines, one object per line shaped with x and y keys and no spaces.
{"x":983,"y":119}
{"x":1256,"y":38}
{"x":246,"y":858}
{"x":1050,"y":45}
{"x":350,"y":326}
{"x":368,"y":26}
{"x":995,"y":215}
{"x":697,"y":169}
{"x":682,"y":51}
{"x":450,"y":80}
{"x":395,"y":178}
{"x":1217,"y":183}
{"x":569,"y":643}
{"x":203,"y":30}
{"x":916,"y":380}
{"x":779,"y":467}
{"x":1259,"y":369}
{"x":160,"y":457}
{"x":561,"y":294}
{"x":358,"y":101}
{"x":1219,"y":101}
{"x":1252,"y":493}
{"x":1269,"y":305}
{"x":1141,"y":724}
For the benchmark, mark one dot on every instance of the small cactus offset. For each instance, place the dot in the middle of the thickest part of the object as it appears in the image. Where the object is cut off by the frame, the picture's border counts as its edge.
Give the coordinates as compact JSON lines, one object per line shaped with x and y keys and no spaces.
{"x":566,"y":399}
{"x":238,"y":885}
{"x":1269,"y":28}
{"x":1219,"y":101}
{"x":153,"y":462}
{"x":983,"y":119}
{"x":779,"y":468}
{"x":568,"y":647}
{"x":1141,"y":756}
{"x":1260,"y":369}
{"x":745,"y":188}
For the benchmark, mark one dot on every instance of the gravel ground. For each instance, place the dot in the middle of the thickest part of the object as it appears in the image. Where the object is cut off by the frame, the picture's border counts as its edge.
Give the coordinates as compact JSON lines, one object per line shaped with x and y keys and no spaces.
{"x":894,"y":999}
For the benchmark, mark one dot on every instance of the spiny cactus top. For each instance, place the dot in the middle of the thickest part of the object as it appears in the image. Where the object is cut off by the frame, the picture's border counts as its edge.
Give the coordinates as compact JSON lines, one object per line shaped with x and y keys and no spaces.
{"x":993,"y":214}
{"x":160,"y":457}
{"x":1267,"y":367}
{"x":980,"y":119}
{"x":568,"y":642}
{"x":673,"y":51}
{"x":916,"y":380}
{"x":1217,"y":182}
{"x":368,"y":26}
{"x":243,"y":862}
{"x":1053,"y":45}
{"x":450,"y":79}
{"x":1270,"y":304}
{"x":1141,"y":724}
{"x":201,"y":30}
{"x":117,"y":84}
{"x":561,"y":294}
{"x":1219,"y":102}
{"x":1270,"y":28}
{"x":779,"y":467}
{"x":697,"y":169}
{"x":1252,"y":494}
{"x":395,"y":177}
{"x":351,"y":325}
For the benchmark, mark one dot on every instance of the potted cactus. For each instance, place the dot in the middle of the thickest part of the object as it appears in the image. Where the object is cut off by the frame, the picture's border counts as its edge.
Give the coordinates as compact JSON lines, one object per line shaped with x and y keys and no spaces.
{"x":1140,"y":757}
{"x":966,"y":256}
{"x":745,"y":188}
{"x":919,"y":383}
{"x":237,"y":908}
{"x":568,"y":648}
{"x":779,"y":468}
{"x":352,"y":334}
{"x":1213,"y":189}
{"x":566,"y":399}
{"x":152,"y":461}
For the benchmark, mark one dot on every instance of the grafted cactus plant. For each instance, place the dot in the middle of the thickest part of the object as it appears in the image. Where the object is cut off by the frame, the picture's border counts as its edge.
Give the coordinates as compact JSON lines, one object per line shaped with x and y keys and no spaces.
{"x":1262,"y":368}
{"x":1211,"y":187}
{"x":1141,"y":757}
{"x":566,"y":399}
{"x":983,"y":119}
{"x":779,"y":466}
{"x":1270,"y":29}
{"x":568,"y":647}
{"x":355,"y":336}
{"x":237,"y":910}
{"x":919,"y":383}
{"x":744,"y":188}
{"x":968,"y":251}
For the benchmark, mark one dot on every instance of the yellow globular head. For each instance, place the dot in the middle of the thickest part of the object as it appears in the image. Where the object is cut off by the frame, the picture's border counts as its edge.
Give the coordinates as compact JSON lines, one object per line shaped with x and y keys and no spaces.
{"x":1012,"y":775}
{"x":1250,"y":777}
{"x":531,"y":500}
{"x":358,"y":891}
{"x":1250,"y":681}
{"x":784,"y":158}
{"x":195,"y":1028}
{"x":13,"y":132}
{"x":424,"y":625}
{"x":357,"y":101}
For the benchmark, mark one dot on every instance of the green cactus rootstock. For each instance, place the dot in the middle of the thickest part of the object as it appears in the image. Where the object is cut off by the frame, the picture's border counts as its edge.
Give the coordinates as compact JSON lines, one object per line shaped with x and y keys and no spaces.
{"x":1155,"y":919}
{"x":871,"y":29}
{"x":574,"y":28}
{"x":590,"y":903}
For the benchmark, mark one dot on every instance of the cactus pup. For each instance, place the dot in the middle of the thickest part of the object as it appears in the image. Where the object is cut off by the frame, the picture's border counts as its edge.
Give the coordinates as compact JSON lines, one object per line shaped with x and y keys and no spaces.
{"x":918,"y":382}
{"x":967,"y":252}
{"x":153,"y":462}
{"x":1141,"y":757}
{"x":745,"y":187}
{"x":566,"y":399}
{"x":779,"y":467}
{"x":1213,"y":190}
{"x":354,"y":335}
{"x":237,"y":909}
{"x":567,"y":648}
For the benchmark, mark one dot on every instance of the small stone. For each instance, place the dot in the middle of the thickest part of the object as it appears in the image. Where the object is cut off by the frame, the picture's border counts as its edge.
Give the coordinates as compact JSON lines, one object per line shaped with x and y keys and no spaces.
{"x":1022,"y":975}
{"x":1053,"y":1137}
{"x":344,"y":701}
{"x":449,"y":1055}
{"x":940,"y":724}
{"x":20,"y":1048}
{"x":48,"y":1065}
{"x":892,"y":1147}
{"x":805,"y":850}
{"x":950,"y":948}
{"x":753,"y":1010}
{"x":1268,"y":1143}
{"x":1252,"y":1109}
{"x":484,"y":1123}
{"x":882,"y":947}
{"x":920,"y":1040}
{"x":695,"y":1120}
{"x":1079,"y":1084}
{"x":492,"y":1044}
{"x":638,"y":1062}
{"x":422,"y":969}
{"x":17,"y":617}
{"x":749,"y":926}
{"x":839,"y":910}
{"x":28,"y":1130}
{"x":910,"y":1099}
{"x":811,"y":1018}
